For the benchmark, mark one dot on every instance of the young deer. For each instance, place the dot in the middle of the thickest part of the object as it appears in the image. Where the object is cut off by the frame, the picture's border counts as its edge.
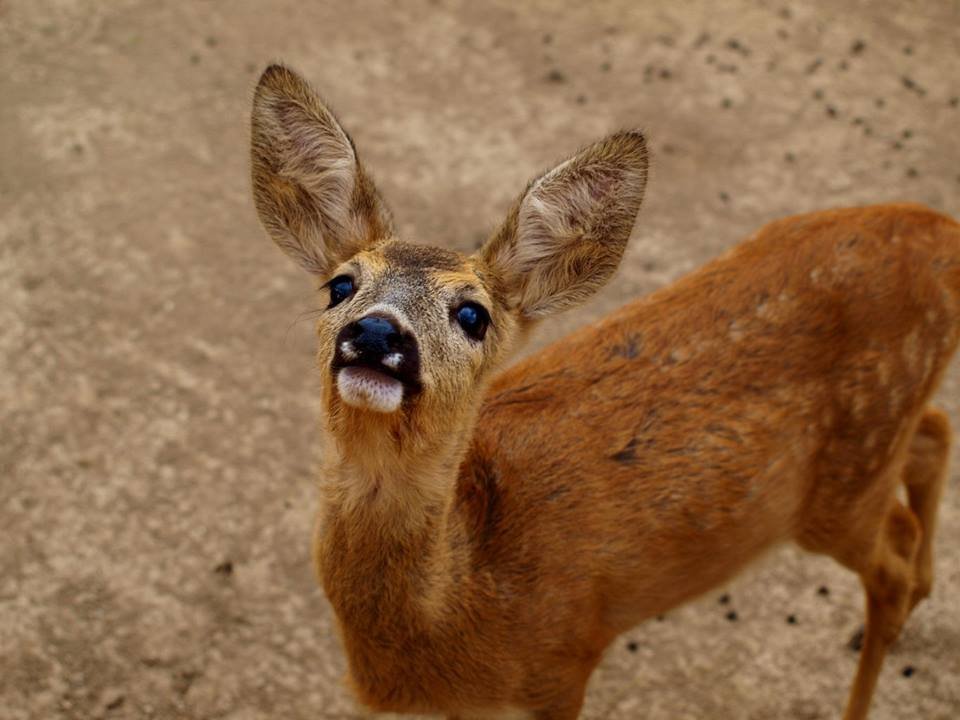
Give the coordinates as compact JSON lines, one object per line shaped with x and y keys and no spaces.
{"x":483,"y":538}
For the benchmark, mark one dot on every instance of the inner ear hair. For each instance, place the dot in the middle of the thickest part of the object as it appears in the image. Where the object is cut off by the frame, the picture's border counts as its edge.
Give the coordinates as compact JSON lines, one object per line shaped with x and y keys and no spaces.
{"x":310,"y":190}
{"x":566,"y":234}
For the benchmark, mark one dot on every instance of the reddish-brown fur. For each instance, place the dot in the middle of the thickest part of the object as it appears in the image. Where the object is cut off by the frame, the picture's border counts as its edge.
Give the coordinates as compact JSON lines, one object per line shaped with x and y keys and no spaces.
{"x":481,"y":551}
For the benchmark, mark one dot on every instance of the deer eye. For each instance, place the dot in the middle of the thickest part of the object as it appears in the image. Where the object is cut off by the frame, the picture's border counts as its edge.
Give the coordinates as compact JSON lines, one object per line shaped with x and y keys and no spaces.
{"x":341,"y":287}
{"x":474,"y":319}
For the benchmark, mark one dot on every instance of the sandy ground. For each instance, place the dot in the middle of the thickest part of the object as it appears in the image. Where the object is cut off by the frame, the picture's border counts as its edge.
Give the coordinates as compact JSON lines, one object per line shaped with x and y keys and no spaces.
{"x":157,"y":388}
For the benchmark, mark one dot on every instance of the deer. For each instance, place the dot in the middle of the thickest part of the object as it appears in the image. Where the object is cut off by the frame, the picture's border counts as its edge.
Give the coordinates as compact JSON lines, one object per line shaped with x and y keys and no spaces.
{"x":486,"y":531}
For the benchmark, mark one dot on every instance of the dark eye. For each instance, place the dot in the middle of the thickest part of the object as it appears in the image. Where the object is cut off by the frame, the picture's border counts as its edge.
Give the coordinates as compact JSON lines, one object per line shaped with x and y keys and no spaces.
{"x":341,"y":288}
{"x":473,"y":319}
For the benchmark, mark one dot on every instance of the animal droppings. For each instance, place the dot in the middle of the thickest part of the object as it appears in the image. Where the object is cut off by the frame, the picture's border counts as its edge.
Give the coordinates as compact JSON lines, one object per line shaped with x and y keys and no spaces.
{"x":856,"y":640}
{"x":791,"y":619}
{"x":908,"y":671}
{"x":225,"y":568}
{"x":732,"y":616}
{"x":724,"y":599}
{"x":632,"y":646}
{"x":823,"y":590}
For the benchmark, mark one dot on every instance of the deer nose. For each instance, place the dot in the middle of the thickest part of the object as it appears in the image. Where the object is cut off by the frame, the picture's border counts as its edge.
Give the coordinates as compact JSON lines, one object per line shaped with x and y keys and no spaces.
{"x":375,"y":339}
{"x":375,"y":335}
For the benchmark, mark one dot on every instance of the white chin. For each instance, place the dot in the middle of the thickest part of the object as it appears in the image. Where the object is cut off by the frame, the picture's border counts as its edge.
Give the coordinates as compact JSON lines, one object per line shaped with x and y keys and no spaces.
{"x":368,"y":389}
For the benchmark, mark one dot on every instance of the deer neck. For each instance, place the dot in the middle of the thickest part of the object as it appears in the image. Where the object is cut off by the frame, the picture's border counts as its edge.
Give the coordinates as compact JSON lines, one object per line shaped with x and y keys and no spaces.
{"x":387,"y":529}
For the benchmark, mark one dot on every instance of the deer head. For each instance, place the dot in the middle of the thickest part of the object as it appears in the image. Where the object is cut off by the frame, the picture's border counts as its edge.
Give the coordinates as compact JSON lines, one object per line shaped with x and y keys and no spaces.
{"x":410,"y":332}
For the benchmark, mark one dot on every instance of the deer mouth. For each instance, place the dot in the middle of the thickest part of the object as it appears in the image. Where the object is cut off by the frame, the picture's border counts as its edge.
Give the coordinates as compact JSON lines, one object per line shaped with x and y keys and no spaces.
{"x":379,"y":385}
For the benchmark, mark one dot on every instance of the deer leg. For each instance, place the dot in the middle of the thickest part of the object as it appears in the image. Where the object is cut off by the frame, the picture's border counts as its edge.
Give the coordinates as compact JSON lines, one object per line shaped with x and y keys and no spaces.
{"x":888,"y":579}
{"x":924,"y":475}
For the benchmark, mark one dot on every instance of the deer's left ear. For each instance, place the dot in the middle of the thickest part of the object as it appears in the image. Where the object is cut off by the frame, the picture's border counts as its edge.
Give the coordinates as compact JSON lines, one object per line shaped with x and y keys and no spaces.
{"x":311,"y":193}
{"x":566,"y":235}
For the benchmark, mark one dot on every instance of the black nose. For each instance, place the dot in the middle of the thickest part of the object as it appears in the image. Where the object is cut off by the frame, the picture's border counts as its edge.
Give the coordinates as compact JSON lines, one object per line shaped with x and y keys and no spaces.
{"x":377,"y":341}
{"x":375,"y":336}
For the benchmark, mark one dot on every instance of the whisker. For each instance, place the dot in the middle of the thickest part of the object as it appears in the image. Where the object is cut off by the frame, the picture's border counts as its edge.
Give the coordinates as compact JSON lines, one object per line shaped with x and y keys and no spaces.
{"x":305,"y":315}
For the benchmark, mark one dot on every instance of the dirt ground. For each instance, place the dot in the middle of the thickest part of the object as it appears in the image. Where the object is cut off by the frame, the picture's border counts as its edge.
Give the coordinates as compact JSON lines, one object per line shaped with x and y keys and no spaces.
{"x":157,"y":389}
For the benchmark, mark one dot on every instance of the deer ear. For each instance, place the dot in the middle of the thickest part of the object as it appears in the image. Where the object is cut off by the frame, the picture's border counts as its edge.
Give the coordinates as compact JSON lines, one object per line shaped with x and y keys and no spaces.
{"x":566,"y":235}
{"x":310,"y":191}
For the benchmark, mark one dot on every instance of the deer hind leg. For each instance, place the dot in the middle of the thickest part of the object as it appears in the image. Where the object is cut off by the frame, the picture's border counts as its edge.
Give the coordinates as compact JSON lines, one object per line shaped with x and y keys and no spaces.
{"x":924,"y":476}
{"x":889,"y":579}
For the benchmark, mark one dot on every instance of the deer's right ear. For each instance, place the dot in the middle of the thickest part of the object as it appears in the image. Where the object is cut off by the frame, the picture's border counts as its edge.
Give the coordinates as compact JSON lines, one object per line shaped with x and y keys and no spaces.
{"x":310,"y":191}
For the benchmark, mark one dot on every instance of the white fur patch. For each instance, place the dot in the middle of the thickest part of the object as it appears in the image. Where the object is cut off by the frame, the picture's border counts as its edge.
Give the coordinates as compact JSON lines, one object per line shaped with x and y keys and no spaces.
{"x":393,"y":360}
{"x":347,"y":350}
{"x":369,"y":390}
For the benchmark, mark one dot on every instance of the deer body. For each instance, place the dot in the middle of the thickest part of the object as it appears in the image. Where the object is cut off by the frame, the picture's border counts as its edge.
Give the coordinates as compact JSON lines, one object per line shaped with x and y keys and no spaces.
{"x":483,"y":538}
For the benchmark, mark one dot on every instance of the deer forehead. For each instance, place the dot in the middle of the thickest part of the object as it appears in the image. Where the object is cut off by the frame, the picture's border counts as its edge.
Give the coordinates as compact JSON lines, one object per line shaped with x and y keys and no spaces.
{"x":421,"y":276}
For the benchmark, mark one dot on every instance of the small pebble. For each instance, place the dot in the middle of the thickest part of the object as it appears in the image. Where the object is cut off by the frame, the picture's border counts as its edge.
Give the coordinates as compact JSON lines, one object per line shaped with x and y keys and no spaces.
{"x":831,"y":111}
{"x":912,"y":172}
{"x":858,"y":47}
{"x":556,"y":76}
{"x":224,"y":568}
